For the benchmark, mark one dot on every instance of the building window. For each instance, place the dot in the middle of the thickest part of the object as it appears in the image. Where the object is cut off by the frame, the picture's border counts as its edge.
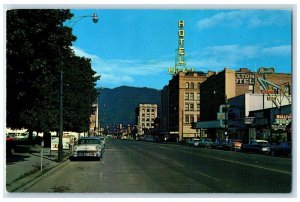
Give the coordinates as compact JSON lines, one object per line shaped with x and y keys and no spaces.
{"x":152,"y":110}
{"x":148,"y":110}
{"x":186,"y":107}
{"x":198,"y":117}
{"x":186,"y":96}
{"x":251,"y":88}
{"x":192,"y":85}
{"x":143,"y":115}
{"x":198,"y":107}
{"x":187,"y":85}
{"x":192,"y":96}
{"x":198,"y":96}
{"x":187,"y":119}
{"x":192,"y":118}
{"x":191,"y":107}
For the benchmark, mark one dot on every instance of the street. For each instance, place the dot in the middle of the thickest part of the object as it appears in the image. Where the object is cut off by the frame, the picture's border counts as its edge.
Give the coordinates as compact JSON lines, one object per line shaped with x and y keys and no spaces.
{"x":145,"y":167}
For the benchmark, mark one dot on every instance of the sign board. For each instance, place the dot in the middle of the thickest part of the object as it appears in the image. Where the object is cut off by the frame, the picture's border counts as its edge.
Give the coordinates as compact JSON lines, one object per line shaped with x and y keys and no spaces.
{"x":55,"y":141}
{"x":244,"y":78}
{"x":221,"y":116}
{"x":268,"y":91}
{"x":264,"y":70}
{"x":174,"y":70}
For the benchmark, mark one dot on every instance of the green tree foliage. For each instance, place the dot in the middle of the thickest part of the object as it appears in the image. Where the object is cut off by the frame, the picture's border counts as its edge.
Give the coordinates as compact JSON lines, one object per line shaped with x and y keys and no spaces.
{"x":38,"y":47}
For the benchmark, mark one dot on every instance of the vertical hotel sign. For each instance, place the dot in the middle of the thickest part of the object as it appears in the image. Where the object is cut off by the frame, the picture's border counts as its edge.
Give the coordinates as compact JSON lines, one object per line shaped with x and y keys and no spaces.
{"x":180,"y":52}
{"x":180,"y":61}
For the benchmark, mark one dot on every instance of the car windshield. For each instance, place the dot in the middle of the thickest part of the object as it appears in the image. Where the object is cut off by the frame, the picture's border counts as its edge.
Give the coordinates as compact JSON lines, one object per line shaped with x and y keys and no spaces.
{"x":263,"y":143}
{"x":89,"y":141}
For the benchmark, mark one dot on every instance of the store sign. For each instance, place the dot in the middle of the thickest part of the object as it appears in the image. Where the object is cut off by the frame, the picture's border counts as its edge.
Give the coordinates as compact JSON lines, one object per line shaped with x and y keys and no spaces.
{"x":283,"y":119}
{"x":283,"y":116}
{"x":242,"y":78}
{"x":264,"y":70}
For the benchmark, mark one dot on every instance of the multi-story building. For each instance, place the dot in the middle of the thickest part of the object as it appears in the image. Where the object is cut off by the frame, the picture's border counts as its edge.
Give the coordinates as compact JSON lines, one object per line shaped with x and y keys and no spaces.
{"x":181,"y":105}
{"x":221,"y":87}
{"x":145,"y":117}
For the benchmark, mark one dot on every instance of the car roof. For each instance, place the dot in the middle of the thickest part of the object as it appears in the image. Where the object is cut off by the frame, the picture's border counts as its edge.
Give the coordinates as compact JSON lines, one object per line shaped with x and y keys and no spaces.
{"x":261,"y":140}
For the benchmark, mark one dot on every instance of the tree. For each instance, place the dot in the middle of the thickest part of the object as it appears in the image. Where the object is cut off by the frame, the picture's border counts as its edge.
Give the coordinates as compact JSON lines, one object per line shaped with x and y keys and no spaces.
{"x":79,"y":93}
{"x":38,"y":47}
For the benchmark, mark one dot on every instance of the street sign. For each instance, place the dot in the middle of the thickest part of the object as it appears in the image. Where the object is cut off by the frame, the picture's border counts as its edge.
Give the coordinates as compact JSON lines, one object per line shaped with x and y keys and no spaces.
{"x":221,"y":116}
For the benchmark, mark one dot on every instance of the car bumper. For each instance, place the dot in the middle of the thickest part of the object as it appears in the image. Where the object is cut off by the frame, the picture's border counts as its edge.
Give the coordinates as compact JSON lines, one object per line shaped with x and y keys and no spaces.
{"x":87,"y":154}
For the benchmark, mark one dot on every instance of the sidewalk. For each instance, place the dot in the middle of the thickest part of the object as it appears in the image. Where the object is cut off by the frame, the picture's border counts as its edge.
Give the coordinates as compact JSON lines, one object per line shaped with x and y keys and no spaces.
{"x":24,"y":166}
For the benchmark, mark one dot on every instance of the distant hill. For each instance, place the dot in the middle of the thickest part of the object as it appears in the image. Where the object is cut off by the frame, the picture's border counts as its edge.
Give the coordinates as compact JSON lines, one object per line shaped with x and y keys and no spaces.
{"x":118,"y":105}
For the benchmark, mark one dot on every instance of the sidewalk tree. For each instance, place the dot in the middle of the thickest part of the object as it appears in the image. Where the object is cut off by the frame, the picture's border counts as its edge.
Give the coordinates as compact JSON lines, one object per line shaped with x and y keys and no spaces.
{"x":38,"y":47}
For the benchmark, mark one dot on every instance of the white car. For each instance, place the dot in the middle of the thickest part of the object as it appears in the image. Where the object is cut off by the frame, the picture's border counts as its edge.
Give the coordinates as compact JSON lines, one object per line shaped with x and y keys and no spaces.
{"x":88,"y":147}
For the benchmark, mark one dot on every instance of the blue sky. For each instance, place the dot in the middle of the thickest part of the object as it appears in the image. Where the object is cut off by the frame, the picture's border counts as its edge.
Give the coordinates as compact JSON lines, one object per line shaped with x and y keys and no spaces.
{"x":135,"y":47}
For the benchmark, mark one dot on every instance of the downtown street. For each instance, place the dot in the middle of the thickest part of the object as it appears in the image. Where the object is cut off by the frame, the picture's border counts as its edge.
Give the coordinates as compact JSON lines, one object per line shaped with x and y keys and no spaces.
{"x":146,"y":167}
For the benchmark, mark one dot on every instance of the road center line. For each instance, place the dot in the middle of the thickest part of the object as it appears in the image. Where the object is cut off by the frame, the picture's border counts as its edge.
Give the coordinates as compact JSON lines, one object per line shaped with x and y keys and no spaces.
{"x":178,"y":164}
{"x":208,"y":176}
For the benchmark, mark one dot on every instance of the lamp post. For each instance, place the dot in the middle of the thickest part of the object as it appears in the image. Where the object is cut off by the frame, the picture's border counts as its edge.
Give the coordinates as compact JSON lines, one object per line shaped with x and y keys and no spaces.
{"x":60,"y":142}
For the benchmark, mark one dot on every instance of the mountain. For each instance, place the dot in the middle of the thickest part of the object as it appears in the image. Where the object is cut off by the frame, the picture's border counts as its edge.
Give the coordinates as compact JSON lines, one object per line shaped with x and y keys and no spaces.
{"x":117,"y":106}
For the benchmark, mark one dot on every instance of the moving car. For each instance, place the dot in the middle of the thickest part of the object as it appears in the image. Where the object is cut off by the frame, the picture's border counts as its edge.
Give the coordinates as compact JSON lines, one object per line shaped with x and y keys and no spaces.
{"x":256,"y":146}
{"x":284,"y":148}
{"x":88,"y":147}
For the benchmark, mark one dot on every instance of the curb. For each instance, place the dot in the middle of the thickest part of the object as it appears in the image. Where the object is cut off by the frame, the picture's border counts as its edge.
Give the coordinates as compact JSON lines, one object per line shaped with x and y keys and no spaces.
{"x":23,"y":188}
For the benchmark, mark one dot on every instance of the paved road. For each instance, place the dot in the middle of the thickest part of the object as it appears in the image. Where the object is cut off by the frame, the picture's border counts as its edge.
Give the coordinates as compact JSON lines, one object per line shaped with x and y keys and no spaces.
{"x":143,"y":167}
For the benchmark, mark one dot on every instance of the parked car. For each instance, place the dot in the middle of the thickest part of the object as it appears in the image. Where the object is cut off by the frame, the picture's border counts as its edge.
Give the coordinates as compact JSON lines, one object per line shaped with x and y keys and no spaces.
{"x":205,"y":142}
{"x":256,"y":146}
{"x":284,"y":148}
{"x":103,"y":140}
{"x":218,"y":144}
{"x":91,"y":147}
{"x":226,"y":144}
{"x":194,"y":142}
{"x":10,"y":145}
{"x":233,"y":145}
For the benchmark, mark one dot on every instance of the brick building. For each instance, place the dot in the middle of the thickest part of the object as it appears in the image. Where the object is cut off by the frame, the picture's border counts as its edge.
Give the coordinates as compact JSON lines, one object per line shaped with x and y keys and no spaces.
{"x":181,"y":105}
{"x":221,"y":87}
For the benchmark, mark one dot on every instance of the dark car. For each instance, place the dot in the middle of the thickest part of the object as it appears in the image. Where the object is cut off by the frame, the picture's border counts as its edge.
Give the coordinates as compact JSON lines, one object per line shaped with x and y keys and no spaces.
{"x":256,"y":146}
{"x":218,"y":144}
{"x":283,"y":149}
{"x":205,"y":142}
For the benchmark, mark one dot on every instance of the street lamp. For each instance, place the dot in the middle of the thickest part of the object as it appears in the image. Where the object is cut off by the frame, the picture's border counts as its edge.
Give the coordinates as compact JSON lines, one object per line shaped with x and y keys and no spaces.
{"x":60,"y":142}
